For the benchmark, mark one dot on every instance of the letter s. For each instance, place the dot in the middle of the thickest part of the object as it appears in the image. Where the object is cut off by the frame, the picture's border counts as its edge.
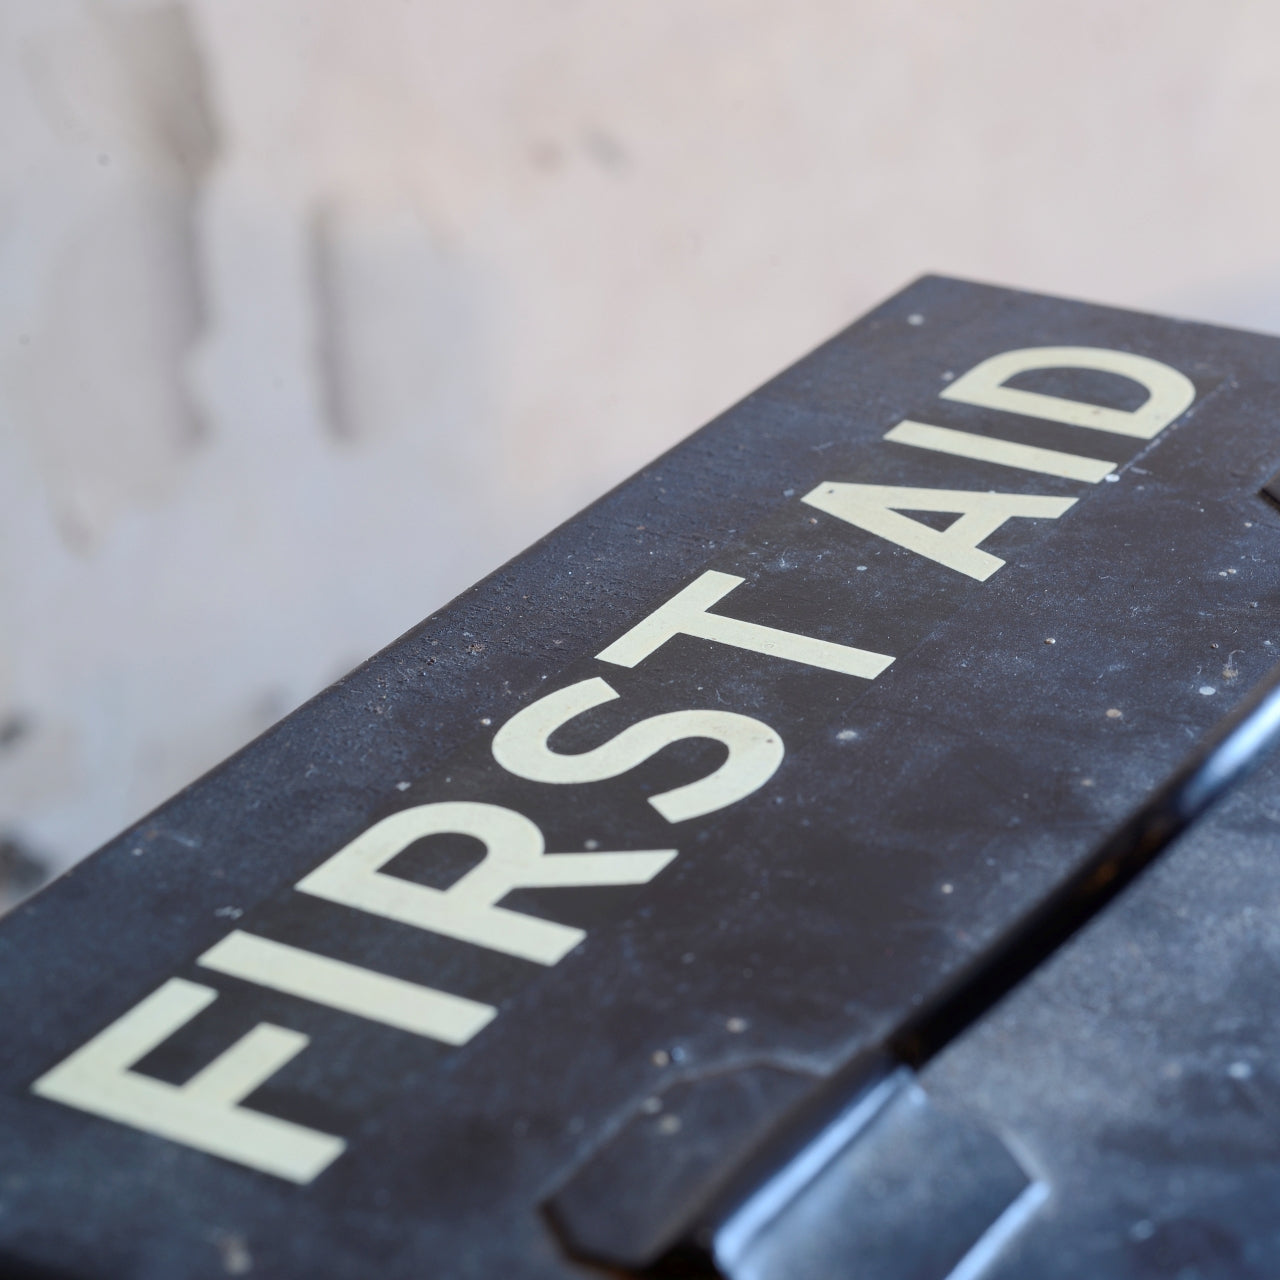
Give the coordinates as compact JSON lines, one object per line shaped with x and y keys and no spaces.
{"x":755,"y":750}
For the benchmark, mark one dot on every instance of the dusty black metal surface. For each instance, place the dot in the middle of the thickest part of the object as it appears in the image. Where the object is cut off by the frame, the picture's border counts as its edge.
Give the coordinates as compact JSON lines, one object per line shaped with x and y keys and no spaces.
{"x":469,"y":1074}
{"x":851,"y":1193}
{"x":1138,"y":1071}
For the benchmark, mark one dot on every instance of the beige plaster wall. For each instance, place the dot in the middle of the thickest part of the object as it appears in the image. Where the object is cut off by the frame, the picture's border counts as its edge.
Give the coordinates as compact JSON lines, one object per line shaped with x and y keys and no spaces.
{"x":312,"y":312}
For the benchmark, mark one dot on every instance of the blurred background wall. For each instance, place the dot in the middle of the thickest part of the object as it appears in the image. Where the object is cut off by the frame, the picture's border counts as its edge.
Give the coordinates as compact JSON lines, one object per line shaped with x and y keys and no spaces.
{"x":312,"y":311}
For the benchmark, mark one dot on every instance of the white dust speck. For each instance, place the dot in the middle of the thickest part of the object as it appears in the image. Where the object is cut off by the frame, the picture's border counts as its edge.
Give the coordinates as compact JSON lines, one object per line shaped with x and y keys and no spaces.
{"x":915,"y":318}
{"x":1112,"y":479}
{"x":948,"y":888}
{"x":236,"y":1258}
{"x":737,"y":1025}
{"x":1239,"y":1071}
{"x":1208,"y":690}
{"x":402,"y":786}
{"x":847,"y":735}
{"x":651,"y":1106}
{"x":669,"y":1124}
{"x":661,"y":1058}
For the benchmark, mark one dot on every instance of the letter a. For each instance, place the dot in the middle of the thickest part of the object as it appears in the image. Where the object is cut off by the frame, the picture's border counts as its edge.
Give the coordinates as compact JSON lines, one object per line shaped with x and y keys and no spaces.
{"x":878,"y":508}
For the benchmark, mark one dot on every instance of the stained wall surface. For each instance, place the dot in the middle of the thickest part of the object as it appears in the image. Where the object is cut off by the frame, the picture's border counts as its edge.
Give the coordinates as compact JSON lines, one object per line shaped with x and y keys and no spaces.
{"x":311,"y":313}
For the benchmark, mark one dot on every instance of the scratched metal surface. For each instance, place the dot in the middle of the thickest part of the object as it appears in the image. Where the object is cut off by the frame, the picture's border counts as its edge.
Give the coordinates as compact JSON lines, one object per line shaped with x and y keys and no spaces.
{"x":913,"y":818}
{"x":1136,"y":1074}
